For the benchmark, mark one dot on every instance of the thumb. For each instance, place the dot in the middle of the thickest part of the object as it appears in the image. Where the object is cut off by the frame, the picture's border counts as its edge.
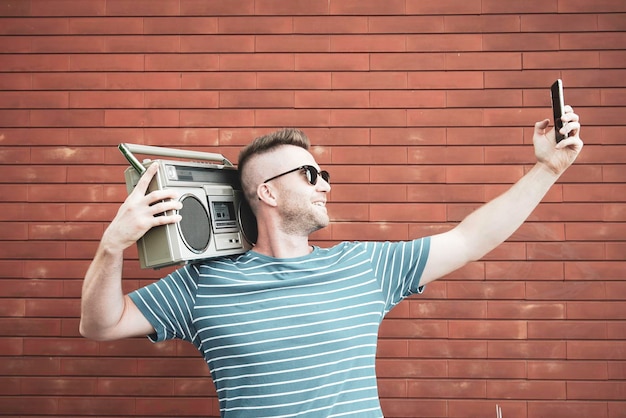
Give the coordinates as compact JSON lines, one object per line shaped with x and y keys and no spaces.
{"x":541,"y":126}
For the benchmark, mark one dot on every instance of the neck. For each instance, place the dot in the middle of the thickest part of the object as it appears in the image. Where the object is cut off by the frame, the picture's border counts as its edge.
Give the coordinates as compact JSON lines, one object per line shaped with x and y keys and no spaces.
{"x":274,"y":242}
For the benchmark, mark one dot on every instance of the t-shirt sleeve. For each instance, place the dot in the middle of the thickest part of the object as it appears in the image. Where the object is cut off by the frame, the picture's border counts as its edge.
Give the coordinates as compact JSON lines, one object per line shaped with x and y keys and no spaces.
{"x":398,"y":266}
{"x":168,"y":304}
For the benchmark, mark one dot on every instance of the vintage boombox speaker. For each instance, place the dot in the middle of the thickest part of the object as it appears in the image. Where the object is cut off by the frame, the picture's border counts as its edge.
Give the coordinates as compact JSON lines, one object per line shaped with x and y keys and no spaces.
{"x":216,"y":219}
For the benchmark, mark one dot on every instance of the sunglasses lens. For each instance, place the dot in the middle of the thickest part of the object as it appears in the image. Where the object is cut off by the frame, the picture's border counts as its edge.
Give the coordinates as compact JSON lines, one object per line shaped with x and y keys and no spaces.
{"x":312,"y":173}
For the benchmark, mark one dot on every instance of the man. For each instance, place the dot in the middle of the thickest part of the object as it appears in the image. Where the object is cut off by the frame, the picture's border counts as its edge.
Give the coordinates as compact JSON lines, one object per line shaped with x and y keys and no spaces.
{"x":290,"y":329}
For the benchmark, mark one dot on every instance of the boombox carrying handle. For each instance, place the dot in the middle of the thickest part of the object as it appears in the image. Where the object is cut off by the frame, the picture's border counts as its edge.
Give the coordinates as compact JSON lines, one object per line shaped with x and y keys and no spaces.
{"x":178,"y":153}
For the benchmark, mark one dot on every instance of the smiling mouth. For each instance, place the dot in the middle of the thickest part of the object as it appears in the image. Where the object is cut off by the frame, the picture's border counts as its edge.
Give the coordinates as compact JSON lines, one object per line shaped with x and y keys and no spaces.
{"x":321,"y":204}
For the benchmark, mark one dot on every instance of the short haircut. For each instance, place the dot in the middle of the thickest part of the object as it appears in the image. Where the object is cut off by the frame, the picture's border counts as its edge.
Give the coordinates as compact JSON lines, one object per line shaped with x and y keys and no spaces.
{"x":268,"y":143}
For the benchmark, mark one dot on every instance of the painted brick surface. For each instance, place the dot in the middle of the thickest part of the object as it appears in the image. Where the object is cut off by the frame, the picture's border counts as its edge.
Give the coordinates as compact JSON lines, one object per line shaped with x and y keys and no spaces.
{"x":422,"y":110}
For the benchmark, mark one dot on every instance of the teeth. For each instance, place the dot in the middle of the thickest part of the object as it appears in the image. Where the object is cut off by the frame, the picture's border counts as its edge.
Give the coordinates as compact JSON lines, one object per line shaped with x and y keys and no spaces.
{"x":319,"y":204}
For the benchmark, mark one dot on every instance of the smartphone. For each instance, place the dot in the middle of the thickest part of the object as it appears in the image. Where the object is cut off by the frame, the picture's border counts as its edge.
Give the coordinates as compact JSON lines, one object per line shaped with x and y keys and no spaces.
{"x":558,"y":105}
{"x":134,"y":162}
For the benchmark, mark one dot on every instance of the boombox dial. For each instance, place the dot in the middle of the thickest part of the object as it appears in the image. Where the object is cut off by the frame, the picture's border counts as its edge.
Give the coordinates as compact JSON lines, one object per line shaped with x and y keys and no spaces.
{"x":216,"y":219}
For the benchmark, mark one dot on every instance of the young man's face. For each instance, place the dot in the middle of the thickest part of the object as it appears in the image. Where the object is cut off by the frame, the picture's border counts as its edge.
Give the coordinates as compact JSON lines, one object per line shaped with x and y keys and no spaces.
{"x":302,"y":205}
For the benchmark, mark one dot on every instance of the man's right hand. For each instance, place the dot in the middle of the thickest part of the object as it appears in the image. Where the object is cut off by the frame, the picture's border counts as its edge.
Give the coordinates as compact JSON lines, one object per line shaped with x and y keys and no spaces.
{"x":138,"y":213}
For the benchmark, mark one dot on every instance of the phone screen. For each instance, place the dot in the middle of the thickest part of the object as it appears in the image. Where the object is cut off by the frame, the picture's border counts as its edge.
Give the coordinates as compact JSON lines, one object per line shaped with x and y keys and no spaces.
{"x":556,"y":91}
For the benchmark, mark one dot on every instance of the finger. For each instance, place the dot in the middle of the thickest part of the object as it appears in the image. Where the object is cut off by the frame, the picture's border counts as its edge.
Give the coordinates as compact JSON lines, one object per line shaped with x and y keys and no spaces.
{"x":540,"y":127}
{"x":573,"y":142}
{"x":165,"y":206}
{"x":163,"y":194}
{"x":570,"y":117}
{"x":571,"y":129}
{"x":167,"y":219}
{"x":146,"y":178}
{"x":568,"y":109}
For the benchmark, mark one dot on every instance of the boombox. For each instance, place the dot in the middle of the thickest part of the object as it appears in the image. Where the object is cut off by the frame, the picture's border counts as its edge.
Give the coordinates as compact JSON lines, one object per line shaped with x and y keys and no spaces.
{"x":216,"y":219}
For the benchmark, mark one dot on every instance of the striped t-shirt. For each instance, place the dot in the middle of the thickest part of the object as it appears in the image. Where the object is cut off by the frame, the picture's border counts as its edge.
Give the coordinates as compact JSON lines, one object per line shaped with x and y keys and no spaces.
{"x":289,"y":337}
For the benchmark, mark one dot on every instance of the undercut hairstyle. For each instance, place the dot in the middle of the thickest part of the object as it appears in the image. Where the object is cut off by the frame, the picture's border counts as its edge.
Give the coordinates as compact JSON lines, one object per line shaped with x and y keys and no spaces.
{"x":265,"y":144}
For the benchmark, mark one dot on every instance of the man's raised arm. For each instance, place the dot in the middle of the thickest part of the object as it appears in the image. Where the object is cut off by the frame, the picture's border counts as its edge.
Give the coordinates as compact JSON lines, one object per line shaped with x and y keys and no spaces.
{"x":491,"y":224}
{"x":106,"y":313}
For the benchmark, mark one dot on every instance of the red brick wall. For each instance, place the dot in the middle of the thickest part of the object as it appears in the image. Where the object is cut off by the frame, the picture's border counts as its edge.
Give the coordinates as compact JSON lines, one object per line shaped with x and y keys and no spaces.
{"x":421,"y":109}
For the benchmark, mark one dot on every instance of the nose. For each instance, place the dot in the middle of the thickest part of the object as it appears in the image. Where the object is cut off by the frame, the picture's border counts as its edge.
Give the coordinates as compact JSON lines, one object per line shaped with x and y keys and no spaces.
{"x":322,"y":185}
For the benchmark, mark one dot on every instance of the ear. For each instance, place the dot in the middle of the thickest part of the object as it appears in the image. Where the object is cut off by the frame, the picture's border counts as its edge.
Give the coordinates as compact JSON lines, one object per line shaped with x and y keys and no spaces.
{"x":267,"y":194}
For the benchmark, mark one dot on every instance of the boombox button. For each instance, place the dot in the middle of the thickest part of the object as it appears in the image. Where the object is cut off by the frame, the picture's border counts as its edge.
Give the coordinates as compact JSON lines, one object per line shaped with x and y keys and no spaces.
{"x":228,"y":241}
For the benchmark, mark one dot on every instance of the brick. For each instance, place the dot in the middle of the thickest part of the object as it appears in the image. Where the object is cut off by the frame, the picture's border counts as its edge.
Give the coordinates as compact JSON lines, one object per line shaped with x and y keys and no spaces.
{"x":523,"y":389}
{"x":407,"y":61}
{"x":354,"y":231}
{"x":330,"y":24}
{"x":404,"y":368}
{"x":53,"y":386}
{"x":565,"y":291}
{"x":447,"y":388}
{"x":135,"y":387}
{"x":182,"y":62}
{"x":392,"y":388}
{"x":67,"y":8}
{"x":31,"y":288}
{"x":526,"y":310}
{"x":217,"y":43}
{"x":27,"y":405}
{"x":256,"y":99}
{"x":487,"y":329}
{"x":565,"y":251}
{"x":294,"y":81}
{"x":486,"y":290}
{"x":596,"y":350}
{"x":410,"y":407}
{"x":22,"y":327}
{"x":570,"y":329}
{"x":526,"y":349}
{"x":589,"y":270}
{"x":142,"y":117}
{"x":96,"y":405}
{"x":355,"y":193}
{"x":67,"y":44}
{"x":454,"y":7}
{"x":442,"y":117}
{"x":595,"y":310}
{"x":292,"y":43}
{"x":105,"y":99}
{"x":448,"y":309}
{"x":26,"y":100}
{"x":331,"y":99}
{"x":299,"y":7}
{"x":216,"y":7}
{"x":98,"y":366}
{"x":296,"y":117}
{"x":451,"y":349}
{"x":493,"y":6}
{"x":569,"y":408}
{"x":143,"y":81}
{"x":483,"y":23}
{"x":332,"y":62}
{"x":15,"y":81}
{"x":106,"y":25}
{"x":180,"y":25}
{"x":407,"y":99}
{"x":405,"y":24}
{"x":178,"y":367}
{"x":595,"y":390}
{"x":487,"y":369}
{"x":398,"y":328}
{"x":371,"y":43}
{"x":444,"y":42}
{"x":567,"y":370}
{"x":181,"y":99}
{"x":174,"y":406}
{"x":142,"y":7}
{"x":223,"y":80}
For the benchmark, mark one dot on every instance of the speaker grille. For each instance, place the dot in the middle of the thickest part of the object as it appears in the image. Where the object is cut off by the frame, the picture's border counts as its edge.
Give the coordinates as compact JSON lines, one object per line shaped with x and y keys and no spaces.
{"x":195,"y":226}
{"x":247,"y":222}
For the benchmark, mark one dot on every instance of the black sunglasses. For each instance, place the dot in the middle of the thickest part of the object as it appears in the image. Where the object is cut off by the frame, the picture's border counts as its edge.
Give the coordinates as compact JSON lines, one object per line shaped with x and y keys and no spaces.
{"x":311,"y":174}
